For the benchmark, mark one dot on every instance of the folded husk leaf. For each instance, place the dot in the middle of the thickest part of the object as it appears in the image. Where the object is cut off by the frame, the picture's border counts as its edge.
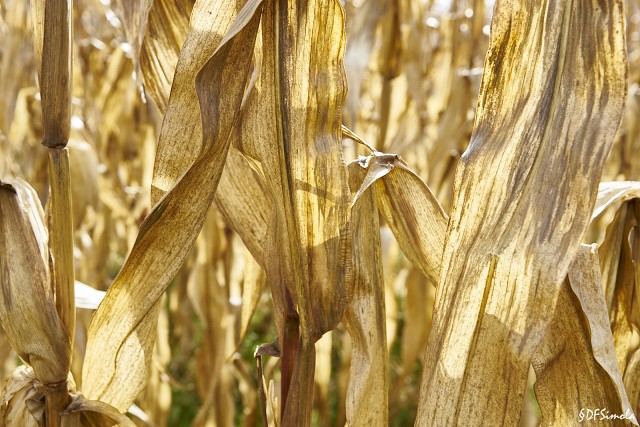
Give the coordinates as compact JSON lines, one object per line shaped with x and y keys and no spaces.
{"x":122,"y":330}
{"x":620,"y":264}
{"x":27,"y":308}
{"x":576,"y":367}
{"x":512,"y":236}
{"x":19,"y":388}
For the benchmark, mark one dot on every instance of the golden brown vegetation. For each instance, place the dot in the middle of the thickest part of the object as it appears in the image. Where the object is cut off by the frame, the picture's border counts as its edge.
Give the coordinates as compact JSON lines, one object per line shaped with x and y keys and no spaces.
{"x":200,"y":224}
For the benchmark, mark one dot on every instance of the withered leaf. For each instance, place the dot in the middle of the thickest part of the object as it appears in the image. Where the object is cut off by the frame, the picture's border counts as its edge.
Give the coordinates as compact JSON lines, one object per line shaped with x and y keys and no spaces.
{"x":551,"y":100}
{"x":122,"y":330}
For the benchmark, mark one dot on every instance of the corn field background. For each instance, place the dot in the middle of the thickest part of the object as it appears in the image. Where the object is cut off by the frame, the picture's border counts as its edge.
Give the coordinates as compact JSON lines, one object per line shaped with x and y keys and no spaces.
{"x":363,"y":213}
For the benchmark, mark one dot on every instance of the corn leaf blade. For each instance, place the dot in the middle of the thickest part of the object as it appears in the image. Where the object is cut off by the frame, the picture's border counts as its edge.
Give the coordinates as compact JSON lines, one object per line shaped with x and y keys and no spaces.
{"x":122,"y":330}
{"x":522,"y":201}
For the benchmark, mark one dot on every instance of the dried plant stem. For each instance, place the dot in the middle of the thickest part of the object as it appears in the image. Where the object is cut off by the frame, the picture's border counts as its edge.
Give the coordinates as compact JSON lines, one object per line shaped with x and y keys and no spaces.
{"x":299,"y":403}
{"x":56,"y":399}
{"x":55,"y":90}
{"x":55,"y":78}
{"x":289,"y":355}
{"x":61,"y":238}
{"x":390,"y":71}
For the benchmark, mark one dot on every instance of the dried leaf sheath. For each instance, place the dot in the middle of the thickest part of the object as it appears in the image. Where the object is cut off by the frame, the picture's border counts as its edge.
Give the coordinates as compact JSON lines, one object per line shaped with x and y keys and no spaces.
{"x":576,"y":361}
{"x":61,"y":239}
{"x":523,"y":195}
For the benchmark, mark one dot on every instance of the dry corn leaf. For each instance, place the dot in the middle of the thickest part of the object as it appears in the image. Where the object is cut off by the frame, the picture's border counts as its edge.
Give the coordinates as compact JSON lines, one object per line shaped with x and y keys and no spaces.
{"x":27,"y":309}
{"x":181,"y":134}
{"x":22,"y":404}
{"x":367,"y":392}
{"x":418,"y":310}
{"x":362,"y":20}
{"x":87,"y":297}
{"x":619,"y":260}
{"x":522,"y":201}
{"x":576,"y":367}
{"x":390,"y":195}
{"x":610,"y":193}
{"x":323,"y":378}
{"x":390,"y":254}
{"x":122,"y":330}
{"x":17,"y":50}
{"x":248,"y":392}
{"x":83,"y":164}
{"x":92,"y":413}
{"x":208,"y":293}
{"x":156,"y":399}
{"x":313,"y":133}
{"x":620,"y":264}
{"x":632,"y":381}
{"x":412,"y":212}
{"x":291,"y":132}
{"x":167,"y":26}
{"x":252,"y":285}
{"x":37,"y":19}
{"x":242,"y":201}
{"x":241,"y":197}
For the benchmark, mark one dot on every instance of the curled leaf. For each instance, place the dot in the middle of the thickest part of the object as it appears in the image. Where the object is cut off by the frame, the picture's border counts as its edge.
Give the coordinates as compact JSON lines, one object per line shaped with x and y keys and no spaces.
{"x":122,"y":330}
{"x":27,"y":308}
